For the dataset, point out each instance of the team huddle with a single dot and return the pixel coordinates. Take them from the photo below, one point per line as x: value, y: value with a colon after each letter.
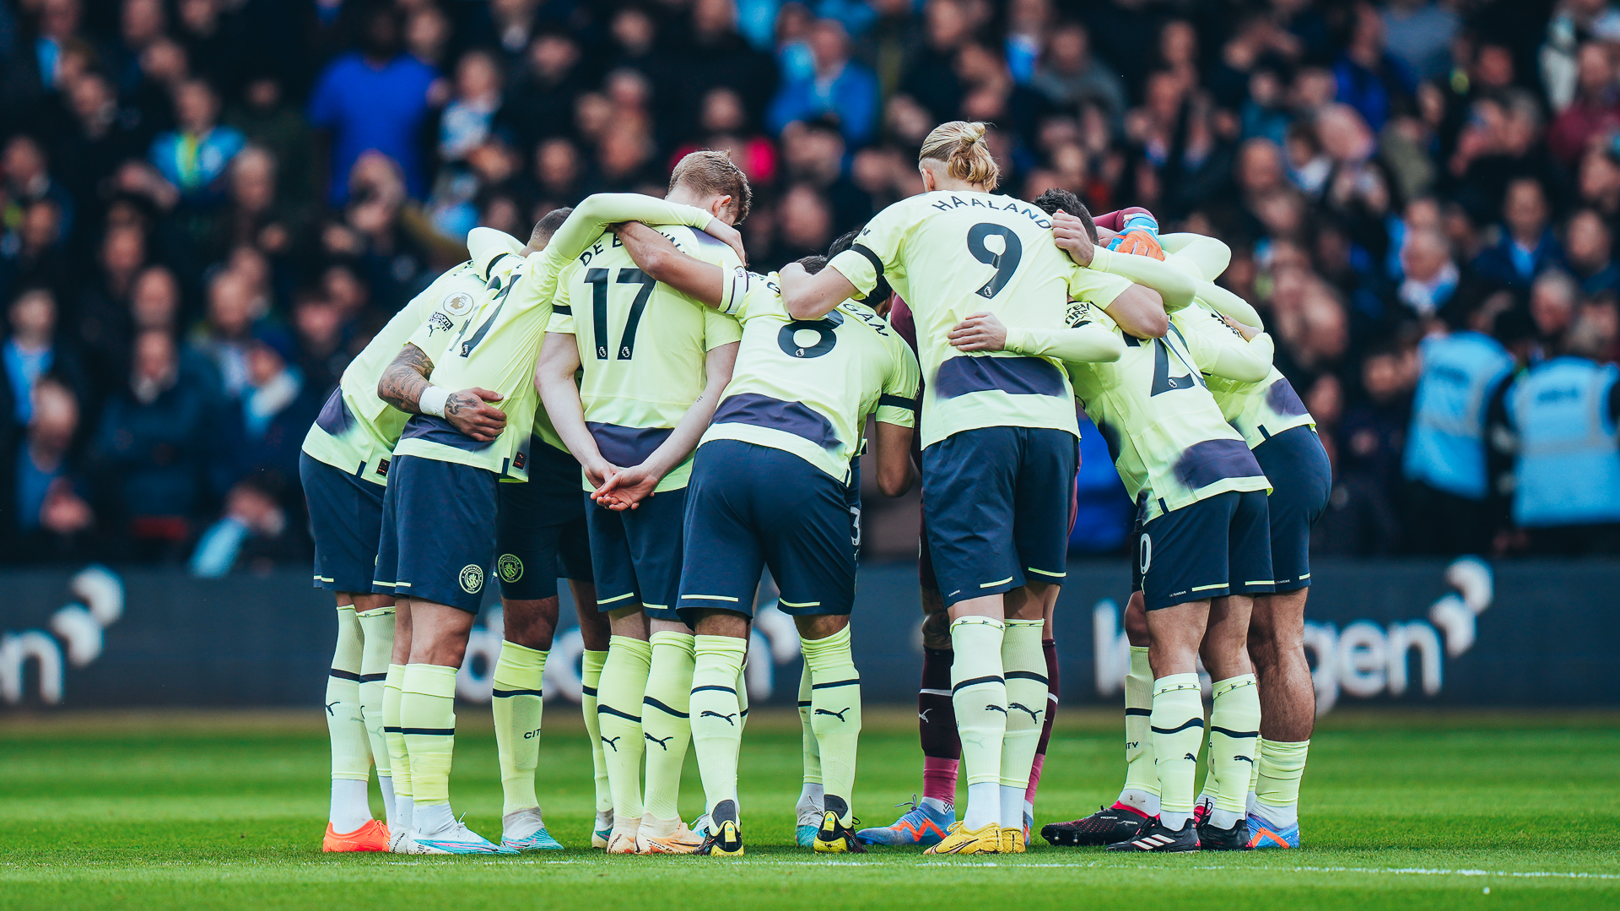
x: 619, y: 402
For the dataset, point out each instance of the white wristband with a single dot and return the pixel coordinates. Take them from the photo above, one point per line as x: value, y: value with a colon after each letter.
x: 432, y: 401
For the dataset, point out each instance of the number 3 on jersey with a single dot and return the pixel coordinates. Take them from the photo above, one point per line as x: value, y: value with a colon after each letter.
x: 598, y: 280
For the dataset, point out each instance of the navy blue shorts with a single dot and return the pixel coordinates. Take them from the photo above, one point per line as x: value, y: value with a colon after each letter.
x: 996, y: 501
x: 750, y: 507
x: 438, y: 532
x: 345, y: 519
x: 1301, y: 482
x: 636, y: 554
x: 1209, y: 549
x: 540, y: 531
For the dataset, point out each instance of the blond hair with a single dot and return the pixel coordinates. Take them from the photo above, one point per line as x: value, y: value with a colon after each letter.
x: 960, y: 145
x: 713, y: 173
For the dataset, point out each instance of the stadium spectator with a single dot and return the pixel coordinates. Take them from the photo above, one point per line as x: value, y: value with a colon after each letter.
x: 152, y: 454
x: 266, y: 426
x: 1527, y: 247
x: 1379, y: 169
x: 254, y: 535
x: 31, y: 351
x: 42, y: 489
x: 836, y: 87
x: 374, y: 99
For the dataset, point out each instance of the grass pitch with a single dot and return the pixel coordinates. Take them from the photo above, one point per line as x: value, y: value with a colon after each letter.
x: 1432, y: 811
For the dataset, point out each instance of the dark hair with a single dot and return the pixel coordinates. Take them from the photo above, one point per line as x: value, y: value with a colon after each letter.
x: 813, y: 263
x: 1057, y: 199
x: 548, y: 225
x: 880, y: 291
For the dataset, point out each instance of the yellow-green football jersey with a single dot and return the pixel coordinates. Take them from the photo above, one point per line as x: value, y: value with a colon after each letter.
x: 497, y: 344
x: 356, y: 431
x: 807, y: 386
x: 1257, y: 409
x: 493, y: 347
x: 951, y: 254
x: 642, y: 345
x: 1169, y: 441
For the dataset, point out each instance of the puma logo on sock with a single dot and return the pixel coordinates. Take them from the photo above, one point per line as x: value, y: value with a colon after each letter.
x: 612, y: 742
x: 663, y: 743
x: 726, y: 718
x: 1034, y: 714
x: 995, y: 708
x: 329, y: 709
x: 924, y: 715
x: 839, y: 714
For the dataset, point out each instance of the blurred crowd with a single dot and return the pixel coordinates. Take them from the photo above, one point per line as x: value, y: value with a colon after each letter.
x: 208, y: 206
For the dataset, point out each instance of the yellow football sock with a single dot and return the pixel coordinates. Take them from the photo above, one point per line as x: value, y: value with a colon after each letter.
x: 399, y: 760
x: 517, y: 704
x: 1141, y: 775
x: 590, y: 677
x: 665, y: 721
x: 979, y: 696
x: 618, y: 712
x: 835, y: 716
x: 377, y: 631
x: 427, y: 715
x: 717, y: 714
x: 1282, y: 765
x: 1234, y: 727
x: 351, y: 753
x: 1178, y: 731
x: 812, y: 749
x: 1024, y: 665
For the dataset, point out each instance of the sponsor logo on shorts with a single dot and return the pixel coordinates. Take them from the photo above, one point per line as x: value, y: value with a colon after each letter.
x: 457, y: 304
x: 382, y: 467
x: 519, y: 459
x: 510, y: 567
x: 472, y: 578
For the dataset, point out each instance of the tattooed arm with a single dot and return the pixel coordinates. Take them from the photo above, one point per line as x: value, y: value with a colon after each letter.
x: 404, y: 385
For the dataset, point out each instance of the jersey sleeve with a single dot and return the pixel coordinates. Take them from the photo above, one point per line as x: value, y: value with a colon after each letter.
x: 719, y: 329
x: 762, y: 297
x: 1174, y: 285
x: 876, y: 252
x: 1230, y: 304
x: 1087, y: 342
x: 592, y: 216
x: 1207, y: 255
x: 897, y: 403
x: 1098, y: 288
x: 432, y: 335
x: 562, y: 312
x: 1220, y: 351
x: 734, y: 290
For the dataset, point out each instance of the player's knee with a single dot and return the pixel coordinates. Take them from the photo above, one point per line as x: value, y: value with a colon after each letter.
x: 721, y: 623
x: 820, y: 626
x: 530, y: 623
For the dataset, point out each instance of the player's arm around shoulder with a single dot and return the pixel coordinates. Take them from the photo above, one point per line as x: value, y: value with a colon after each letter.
x: 1223, y: 347
x: 661, y: 260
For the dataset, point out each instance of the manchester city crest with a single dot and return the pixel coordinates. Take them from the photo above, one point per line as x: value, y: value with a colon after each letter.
x: 510, y: 567
x: 472, y: 578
